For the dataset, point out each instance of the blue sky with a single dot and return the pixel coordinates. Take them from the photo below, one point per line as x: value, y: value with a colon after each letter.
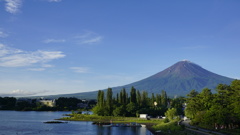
x: 70, y: 46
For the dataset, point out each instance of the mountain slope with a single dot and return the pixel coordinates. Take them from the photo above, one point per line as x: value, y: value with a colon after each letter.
x: 179, y: 79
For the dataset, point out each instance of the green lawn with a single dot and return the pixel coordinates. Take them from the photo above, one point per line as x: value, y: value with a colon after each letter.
x: 95, y: 118
x: 152, y: 124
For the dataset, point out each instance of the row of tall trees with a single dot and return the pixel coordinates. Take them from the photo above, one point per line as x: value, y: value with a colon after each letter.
x: 220, y: 110
x: 135, y: 103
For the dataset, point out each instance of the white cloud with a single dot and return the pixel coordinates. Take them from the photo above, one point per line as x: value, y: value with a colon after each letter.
x: 11, y: 57
x: 54, y: 41
x: 47, y: 65
x: 42, y: 68
x: 4, y: 50
x: 3, y: 35
x: 89, y: 38
x: 12, y: 6
x: 80, y: 69
x: 54, y: 0
x: 92, y: 40
x: 21, y: 92
x: 16, y: 93
x: 36, y: 69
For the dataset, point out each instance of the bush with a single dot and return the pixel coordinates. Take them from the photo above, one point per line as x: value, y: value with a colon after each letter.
x: 165, y: 127
x: 166, y: 120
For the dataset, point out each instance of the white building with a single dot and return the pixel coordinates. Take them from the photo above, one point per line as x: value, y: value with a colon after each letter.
x: 144, y: 116
x: 49, y: 103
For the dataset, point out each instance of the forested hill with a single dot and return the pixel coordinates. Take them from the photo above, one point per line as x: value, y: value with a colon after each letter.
x: 179, y: 79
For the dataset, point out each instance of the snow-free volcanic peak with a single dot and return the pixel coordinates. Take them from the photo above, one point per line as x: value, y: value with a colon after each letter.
x: 178, y: 79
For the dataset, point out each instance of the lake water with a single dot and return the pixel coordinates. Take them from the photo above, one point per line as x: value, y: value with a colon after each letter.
x: 31, y: 123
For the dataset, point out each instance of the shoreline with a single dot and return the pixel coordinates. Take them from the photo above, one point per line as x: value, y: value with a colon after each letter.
x: 148, y: 123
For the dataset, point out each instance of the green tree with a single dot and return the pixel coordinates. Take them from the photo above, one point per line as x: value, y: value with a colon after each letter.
x: 131, y: 109
x: 153, y: 99
x: 193, y: 93
x: 109, y: 102
x: 64, y: 103
x: 99, y: 97
x: 8, y: 103
x: 164, y: 98
x: 215, y: 110
x: 178, y: 104
x: 101, y: 100
x: 145, y: 101
x: 133, y: 95
x: 101, y: 111
x: 100, y: 108
x: 117, y: 98
x: 192, y: 104
x: 119, y: 111
x: 158, y: 99
x: 235, y: 98
x: 205, y: 99
x: 171, y: 113
x: 123, y: 97
x: 139, y: 99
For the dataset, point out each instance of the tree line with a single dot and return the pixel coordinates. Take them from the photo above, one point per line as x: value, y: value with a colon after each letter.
x: 135, y: 103
x: 7, y: 103
x: 219, y: 111
x: 62, y: 104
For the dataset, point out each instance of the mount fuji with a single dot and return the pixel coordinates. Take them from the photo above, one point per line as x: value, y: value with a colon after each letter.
x: 178, y: 79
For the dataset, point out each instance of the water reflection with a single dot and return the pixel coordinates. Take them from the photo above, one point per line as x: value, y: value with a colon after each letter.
x: 29, y: 123
x: 121, y: 131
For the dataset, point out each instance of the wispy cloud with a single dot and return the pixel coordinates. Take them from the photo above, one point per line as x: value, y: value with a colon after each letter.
x: 17, y: 93
x: 12, y: 6
x: 92, y: 40
x: 3, y: 34
x: 47, y: 65
x: 54, y: 41
x: 5, y: 50
x: 89, y: 38
x: 36, y: 69
x: 54, y: 0
x: 80, y: 69
x: 11, y: 57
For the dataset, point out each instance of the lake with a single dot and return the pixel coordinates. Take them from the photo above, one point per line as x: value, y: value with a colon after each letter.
x: 31, y: 123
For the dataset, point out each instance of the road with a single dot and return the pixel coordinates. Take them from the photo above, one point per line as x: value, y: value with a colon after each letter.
x: 199, y: 130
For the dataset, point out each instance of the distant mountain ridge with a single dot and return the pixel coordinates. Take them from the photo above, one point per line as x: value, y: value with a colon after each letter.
x: 179, y: 79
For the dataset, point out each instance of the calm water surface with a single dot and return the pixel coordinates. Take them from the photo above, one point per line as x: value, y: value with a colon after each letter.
x: 31, y: 123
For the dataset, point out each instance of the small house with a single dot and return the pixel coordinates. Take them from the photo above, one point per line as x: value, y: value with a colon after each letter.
x: 144, y: 116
